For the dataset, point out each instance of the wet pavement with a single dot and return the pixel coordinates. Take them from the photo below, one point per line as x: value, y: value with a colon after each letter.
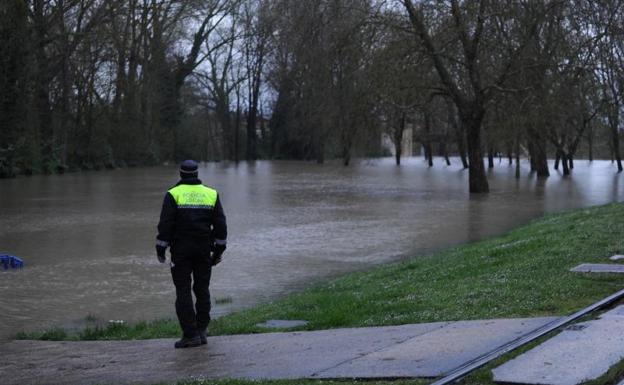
x: 417, y: 350
x: 599, y: 268
x: 582, y: 352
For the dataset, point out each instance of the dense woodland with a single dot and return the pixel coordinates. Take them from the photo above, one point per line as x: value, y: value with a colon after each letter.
x: 88, y: 84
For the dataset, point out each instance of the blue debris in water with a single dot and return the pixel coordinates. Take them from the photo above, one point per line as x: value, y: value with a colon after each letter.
x: 11, y: 262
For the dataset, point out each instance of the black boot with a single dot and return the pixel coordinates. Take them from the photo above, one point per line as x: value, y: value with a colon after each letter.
x: 187, y: 342
x: 202, y: 337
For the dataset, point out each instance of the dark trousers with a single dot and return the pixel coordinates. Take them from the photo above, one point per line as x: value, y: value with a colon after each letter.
x: 192, y: 261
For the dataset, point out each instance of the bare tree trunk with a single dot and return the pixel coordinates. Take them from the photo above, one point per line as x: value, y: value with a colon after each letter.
x: 64, y: 114
x: 427, y: 139
x: 346, y: 138
x: 346, y: 155
x: 207, y: 139
x: 397, y: 153
x: 615, y: 140
x: 471, y: 119
x: 461, y: 147
x: 65, y: 90
x: 319, y: 147
x: 236, y: 132
x: 43, y: 117
x: 225, y: 121
x: 459, y: 132
x: 564, y: 163
x: 590, y: 143
x: 611, y: 152
x: 531, y: 148
x: 398, y: 139
x: 252, y: 153
x: 446, y: 154
x: 462, y: 150
x: 263, y: 131
x: 444, y: 144
x: 212, y: 138
x: 541, y: 160
x: 252, y: 139
x: 517, y: 156
x: 537, y: 150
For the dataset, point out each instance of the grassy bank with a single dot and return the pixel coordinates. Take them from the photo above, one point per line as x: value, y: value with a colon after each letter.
x: 521, y: 274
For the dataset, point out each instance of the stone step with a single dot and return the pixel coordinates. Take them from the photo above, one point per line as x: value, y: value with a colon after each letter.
x: 598, y: 268
x: 582, y: 352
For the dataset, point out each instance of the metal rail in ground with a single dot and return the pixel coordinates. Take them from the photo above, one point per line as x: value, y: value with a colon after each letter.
x: 483, y: 360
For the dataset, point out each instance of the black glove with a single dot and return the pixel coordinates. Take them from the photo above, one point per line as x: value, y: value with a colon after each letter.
x: 160, y: 253
x: 217, y: 251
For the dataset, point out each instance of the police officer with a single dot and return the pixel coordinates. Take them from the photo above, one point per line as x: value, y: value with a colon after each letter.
x: 193, y: 225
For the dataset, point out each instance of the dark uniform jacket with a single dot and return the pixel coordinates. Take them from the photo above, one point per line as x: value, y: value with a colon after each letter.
x: 181, y: 224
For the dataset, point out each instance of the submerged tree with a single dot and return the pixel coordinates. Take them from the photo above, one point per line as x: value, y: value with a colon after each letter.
x: 488, y: 38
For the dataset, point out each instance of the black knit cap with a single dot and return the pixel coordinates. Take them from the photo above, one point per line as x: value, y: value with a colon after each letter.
x: 188, y: 168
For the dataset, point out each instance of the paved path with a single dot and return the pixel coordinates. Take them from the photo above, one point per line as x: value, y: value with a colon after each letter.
x: 584, y: 351
x: 418, y: 350
x: 599, y: 268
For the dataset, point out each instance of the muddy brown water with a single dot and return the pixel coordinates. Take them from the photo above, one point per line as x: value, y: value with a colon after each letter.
x: 87, y: 238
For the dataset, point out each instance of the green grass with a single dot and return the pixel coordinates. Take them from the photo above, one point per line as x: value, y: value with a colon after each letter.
x: 521, y: 274
x: 55, y: 334
x: 223, y: 300
x: 138, y: 331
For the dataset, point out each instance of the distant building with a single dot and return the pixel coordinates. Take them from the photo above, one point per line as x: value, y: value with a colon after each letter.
x: 407, y: 143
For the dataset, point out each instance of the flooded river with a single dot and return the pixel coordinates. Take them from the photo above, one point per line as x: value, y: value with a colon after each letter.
x: 87, y: 238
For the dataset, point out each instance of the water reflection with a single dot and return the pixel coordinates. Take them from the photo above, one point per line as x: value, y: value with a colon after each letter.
x: 88, y: 238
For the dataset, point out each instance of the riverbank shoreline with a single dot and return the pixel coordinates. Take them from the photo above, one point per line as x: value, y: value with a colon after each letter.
x: 524, y: 273
x: 293, y: 225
